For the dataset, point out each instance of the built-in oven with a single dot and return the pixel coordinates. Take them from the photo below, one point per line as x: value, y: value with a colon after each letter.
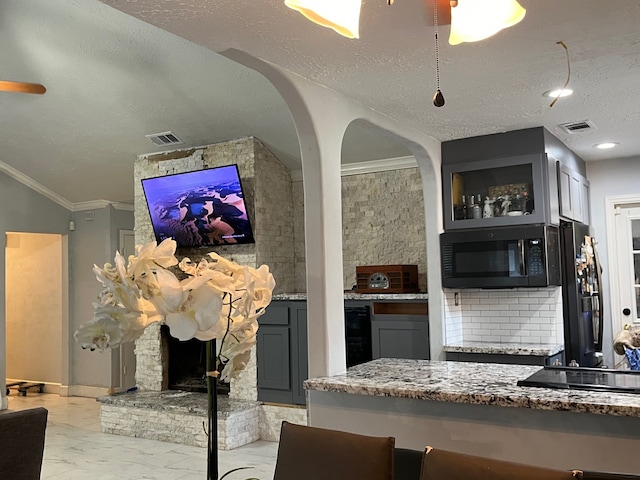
x: 504, y: 257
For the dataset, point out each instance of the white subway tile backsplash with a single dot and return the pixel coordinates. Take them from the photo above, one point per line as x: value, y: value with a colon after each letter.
x: 521, y: 315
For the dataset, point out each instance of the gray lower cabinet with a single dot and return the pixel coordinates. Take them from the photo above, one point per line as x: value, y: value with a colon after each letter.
x: 399, y: 336
x: 282, y: 353
x: 399, y: 329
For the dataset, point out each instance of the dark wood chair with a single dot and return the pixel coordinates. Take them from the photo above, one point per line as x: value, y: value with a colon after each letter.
x: 22, y: 435
x: 313, y: 453
x: 444, y: 465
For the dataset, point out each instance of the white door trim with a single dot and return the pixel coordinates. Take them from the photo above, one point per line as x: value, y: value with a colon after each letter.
x: 611, y: 203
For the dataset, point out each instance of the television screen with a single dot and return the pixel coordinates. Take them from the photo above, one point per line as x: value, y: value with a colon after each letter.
x: 199, y: 209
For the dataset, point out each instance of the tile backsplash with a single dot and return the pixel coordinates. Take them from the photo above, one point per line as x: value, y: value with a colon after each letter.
x: 523, y: 315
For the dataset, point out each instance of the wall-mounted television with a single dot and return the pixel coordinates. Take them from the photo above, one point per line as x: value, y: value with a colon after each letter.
x: 199, y: 209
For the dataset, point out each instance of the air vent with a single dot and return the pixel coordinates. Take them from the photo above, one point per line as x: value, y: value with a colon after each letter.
x: 576, y: 127
x: 164, y: 138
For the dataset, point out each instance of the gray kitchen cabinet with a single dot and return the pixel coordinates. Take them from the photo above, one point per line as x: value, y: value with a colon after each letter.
x: 505, y: 164
x: 400, y: 330
x: 282, y: 353
x: 516, y: 188
x: 400, y: 338
x: 573, y: 192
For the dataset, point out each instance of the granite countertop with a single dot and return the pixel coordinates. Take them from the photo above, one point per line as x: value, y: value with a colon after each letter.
x: 350, y: 295
x: 504, y: 348
x: 470, y: 382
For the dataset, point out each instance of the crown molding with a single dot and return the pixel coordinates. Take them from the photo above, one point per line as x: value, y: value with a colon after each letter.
x: 33, y: 185
x: 54, y: 197
x: 370, y: 166
x: 97, y: 204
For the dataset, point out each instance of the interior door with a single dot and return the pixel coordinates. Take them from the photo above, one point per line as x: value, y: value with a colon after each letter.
x: 127, y: 350
x: 627, y: 261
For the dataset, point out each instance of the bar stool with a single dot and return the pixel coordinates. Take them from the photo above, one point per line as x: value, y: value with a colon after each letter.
x: 445, y: 465
x: 316, y: 453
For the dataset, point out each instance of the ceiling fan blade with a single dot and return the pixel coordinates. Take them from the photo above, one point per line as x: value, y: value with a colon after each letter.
x: 444, y: 11
x: 22, y: 87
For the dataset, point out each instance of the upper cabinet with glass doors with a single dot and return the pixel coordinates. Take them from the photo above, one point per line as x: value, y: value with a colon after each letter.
x: 504, y: 191
x: 503, y: 179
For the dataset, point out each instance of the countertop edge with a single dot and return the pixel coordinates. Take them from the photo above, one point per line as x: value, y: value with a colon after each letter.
x: 504, y: 349
x: 471, y: 383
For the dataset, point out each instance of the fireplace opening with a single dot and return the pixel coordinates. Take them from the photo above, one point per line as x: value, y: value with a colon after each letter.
x: 186, y: 362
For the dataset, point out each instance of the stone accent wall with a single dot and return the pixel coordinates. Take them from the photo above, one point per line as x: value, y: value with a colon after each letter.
x: 272, y: 416
x: 267, y: 187
x: 300, y: 254
x: 522, y: 315
x: 274, y: 219
x: 382, y: 222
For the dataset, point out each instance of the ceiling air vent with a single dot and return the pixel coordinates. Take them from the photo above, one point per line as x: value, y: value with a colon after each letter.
x: 576, y: 127
x: 164, y: 138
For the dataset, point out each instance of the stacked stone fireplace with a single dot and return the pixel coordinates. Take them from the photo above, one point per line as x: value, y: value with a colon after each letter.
x: 268, y: 197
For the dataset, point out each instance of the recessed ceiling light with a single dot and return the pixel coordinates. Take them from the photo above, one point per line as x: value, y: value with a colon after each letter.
x: 558, y: 92
x: 606, y: 145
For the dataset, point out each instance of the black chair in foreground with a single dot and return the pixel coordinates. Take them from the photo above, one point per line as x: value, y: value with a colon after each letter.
x: 313, y: 453
x: 444, y: 465
x: 22, y: 435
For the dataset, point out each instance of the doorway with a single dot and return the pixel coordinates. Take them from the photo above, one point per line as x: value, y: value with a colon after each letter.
x: 127, y: 350
x: 624, y: 247
x: 36, y: 309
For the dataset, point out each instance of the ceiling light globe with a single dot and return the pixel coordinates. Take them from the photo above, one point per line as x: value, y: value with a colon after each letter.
x: 474, y: 20
x: 343, y: 16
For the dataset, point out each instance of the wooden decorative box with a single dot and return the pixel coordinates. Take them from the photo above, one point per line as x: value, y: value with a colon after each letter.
x: 387, y: 279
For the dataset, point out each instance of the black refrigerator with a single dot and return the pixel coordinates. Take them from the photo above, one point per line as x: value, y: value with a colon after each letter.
x: 581, y: 299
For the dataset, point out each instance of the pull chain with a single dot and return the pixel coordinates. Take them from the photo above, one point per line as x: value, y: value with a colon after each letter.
x: 438, y: 98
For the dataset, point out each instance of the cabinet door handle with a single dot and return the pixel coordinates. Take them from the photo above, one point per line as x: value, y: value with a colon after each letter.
x: 523, y: 265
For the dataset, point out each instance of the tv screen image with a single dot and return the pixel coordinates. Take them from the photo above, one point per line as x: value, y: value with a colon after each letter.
x: 199, y: 209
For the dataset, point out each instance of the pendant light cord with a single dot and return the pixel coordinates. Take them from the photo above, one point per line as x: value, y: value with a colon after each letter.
x: 438, y: 98
x: 568, y: 71
x: 435, y: 22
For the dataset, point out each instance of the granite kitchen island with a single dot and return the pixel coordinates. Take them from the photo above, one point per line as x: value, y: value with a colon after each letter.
x: 477, y: 408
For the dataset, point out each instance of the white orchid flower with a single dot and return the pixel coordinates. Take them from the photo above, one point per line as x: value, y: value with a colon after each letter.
x: 219, y: 299
x: 150, y: 256
x: 162, y: 288
x: 199, y: 313
x: 100, y: 333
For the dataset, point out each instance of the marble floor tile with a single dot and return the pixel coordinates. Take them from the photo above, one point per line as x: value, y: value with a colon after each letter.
x: 75, y: 449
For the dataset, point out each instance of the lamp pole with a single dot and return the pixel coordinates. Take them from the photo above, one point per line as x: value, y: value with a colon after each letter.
x: 212, y: 411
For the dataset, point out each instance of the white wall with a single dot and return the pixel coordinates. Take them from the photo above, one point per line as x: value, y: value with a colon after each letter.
x: 608, y: 178
x: 34, y: 307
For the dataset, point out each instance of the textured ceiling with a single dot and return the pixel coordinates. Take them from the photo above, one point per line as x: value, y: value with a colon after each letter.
x: 114, y: 74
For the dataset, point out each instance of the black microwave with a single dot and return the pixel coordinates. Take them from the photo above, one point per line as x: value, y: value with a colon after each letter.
x: 503, y: 257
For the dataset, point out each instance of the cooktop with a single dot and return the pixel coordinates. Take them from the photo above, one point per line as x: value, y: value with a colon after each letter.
x: 597, y: 379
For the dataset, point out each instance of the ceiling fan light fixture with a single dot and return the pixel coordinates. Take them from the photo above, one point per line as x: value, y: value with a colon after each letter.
x: 343, y: 16
x: 473, y: 20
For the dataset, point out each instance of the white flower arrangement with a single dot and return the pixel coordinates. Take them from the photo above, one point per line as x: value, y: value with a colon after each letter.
x: 218, y: 299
